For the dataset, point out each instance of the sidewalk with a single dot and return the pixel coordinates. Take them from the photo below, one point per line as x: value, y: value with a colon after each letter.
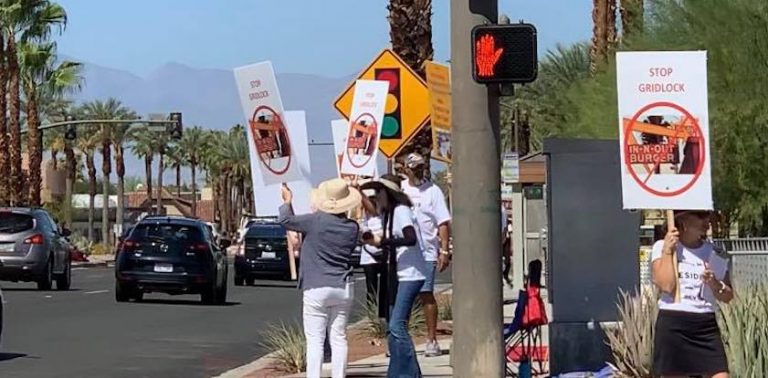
x: 376, y: 366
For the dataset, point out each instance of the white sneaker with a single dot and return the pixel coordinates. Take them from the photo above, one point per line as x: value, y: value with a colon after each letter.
x: 433, y: 349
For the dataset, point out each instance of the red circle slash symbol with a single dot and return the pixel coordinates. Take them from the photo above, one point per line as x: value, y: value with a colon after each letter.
x: 271, y: 139
x: 361, y: 139
x: 665, y: 128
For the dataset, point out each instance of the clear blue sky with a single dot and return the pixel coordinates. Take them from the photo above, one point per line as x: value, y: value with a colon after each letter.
x: 336, y: 38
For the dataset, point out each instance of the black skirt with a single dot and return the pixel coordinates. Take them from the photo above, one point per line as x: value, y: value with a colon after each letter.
x: 688, y: 344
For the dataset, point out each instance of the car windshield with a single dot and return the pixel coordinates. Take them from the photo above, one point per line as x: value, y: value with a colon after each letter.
x: 11, y: 223
x: 266, y: 231
x: 167, y: 233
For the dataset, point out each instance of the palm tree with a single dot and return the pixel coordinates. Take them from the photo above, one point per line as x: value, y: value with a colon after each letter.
x: 120, y: 135
x: 410, y: 31
x: 111, y: 109
x: 194, y: 143
x: 603, y: 31
x: 632, y: 12
x: 88, y: 141
x: 25, y: 21
x: 175, y: 161
x: 42, y: 77
x: 144, y: 147
x: 53, y: 141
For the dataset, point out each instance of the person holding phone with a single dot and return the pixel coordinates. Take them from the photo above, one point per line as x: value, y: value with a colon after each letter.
x: 400, y: 245
x: 325, y: 273
x: 692, y: 279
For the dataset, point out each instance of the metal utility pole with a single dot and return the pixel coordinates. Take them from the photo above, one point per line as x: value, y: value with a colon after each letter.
x: 478, y: 345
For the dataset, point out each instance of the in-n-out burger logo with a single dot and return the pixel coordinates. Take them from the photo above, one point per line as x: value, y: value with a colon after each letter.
x: 271, y: 139
x: 361, y: 141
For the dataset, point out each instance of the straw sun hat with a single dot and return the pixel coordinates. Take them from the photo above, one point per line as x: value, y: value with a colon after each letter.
x: 334, y: 197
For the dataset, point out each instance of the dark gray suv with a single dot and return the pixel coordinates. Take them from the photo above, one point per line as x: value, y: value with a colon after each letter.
x: 33, y: 249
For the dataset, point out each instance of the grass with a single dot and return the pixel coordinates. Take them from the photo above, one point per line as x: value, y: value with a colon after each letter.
x: 287, y: 345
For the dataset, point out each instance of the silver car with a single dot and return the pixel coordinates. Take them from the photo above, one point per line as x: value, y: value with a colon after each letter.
x: 33, y: 249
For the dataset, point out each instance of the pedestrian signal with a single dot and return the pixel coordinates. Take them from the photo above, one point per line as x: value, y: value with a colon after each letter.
x: 504, y: 53
x: 391, y: 127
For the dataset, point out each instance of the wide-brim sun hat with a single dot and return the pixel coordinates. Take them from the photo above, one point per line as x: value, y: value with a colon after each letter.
x: 382, y: 182
x: 335, y: 197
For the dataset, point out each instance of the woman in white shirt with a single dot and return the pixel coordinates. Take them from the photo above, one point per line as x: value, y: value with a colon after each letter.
x: 692, y: 279
x: 400, y: 236
x: 376, y: 280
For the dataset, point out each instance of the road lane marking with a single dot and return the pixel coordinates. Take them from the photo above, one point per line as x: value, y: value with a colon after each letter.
x: 96, y: 292
x: 81, y: 268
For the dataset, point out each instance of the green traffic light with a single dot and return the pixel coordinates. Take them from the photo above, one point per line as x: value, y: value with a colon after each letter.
x: 390, y: 128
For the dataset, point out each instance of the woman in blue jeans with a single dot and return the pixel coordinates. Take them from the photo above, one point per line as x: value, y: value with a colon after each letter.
x: 401, y: 237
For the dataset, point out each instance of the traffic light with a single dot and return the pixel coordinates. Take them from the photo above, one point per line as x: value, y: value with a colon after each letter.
x: 177, y: 126
x: 392, y: 127
x: 71, y: 133
x: 504, y: 54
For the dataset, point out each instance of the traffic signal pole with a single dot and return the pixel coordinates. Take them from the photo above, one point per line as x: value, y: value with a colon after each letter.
x: 477, y: 304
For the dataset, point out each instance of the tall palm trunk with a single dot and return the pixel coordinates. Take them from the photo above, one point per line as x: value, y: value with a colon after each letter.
x: 216, y: 204
x: 227, y: 198
x: 91, y: 167
x: 178, y: 180
x: 106, y: 170
x: 120, y: 171
x: 16, y: 175
x: 71, y: 164
x: 55, y: 159
x: 34, y: 147
x: 160, y: 169
x: 148, y: 175
x: 410, y: 31
x: 603, y: 32
x: 5, y: 167
x: 194, y: 188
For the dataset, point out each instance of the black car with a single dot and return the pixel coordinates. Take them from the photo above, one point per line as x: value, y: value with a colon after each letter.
x: 264, y: 253
x: 172, y: 255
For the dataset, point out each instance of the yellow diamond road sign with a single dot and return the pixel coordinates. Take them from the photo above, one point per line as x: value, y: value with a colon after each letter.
x: 407, y: 110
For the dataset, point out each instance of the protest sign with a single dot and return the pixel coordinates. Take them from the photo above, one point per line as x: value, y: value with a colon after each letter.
x: 364, y: 130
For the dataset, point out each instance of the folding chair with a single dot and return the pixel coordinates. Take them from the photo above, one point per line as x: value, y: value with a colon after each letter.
x: 523, y: 341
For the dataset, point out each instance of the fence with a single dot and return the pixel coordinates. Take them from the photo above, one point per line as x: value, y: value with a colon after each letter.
x: 748, y: 259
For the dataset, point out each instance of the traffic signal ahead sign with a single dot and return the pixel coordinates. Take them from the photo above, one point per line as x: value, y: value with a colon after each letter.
x: 407, y: 108
x: 504, y: 53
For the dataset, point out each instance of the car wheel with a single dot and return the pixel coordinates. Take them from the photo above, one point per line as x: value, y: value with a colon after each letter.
x: 221, y: 296
x: 250, y: 281
x: 46, y: 280
x: 239, y: 280
x: 208, y: 296
x: 64, y: 280
x: 121, y: 292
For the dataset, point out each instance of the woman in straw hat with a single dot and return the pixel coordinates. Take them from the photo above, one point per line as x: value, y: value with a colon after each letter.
x: 692, y: 279
x: 325, y: 273
x: 400, y: 243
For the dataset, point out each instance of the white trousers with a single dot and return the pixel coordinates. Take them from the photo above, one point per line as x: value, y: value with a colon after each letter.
x: 326, y: 309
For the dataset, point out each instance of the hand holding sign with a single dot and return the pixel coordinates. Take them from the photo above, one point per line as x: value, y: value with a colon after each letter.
x: 709, y: 276
x: 286, y: 193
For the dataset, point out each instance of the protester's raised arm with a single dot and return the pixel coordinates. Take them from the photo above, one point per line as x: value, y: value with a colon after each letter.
x: 286, y: 217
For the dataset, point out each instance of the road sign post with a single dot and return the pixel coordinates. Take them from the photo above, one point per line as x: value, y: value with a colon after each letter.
x: 478, y: 345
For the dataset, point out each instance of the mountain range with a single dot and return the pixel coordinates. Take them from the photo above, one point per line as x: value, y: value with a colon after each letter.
x: 208, y: 98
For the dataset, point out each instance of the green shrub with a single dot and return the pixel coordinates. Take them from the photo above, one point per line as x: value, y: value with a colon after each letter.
x: 373, y: 326
x: 417, y: 325
x: 287, y: 347
x: 101, y: 249
x: 744, y: 331
x: 631, y: 341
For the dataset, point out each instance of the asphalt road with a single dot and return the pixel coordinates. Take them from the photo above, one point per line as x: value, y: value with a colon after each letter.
x: 85, y: 333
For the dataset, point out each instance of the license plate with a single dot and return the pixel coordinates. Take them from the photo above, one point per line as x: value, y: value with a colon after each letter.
x: 164, y: 268
x: 268, y: 255
x: 6, y: 247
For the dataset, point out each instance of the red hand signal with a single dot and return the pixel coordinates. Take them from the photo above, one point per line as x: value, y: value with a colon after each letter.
x: 486, y: 55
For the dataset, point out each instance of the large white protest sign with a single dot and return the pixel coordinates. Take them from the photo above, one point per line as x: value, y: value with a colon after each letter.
x: 364, y: 132
x: 267, y: 130
x: 267, y: 196
x: 664, y: 130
